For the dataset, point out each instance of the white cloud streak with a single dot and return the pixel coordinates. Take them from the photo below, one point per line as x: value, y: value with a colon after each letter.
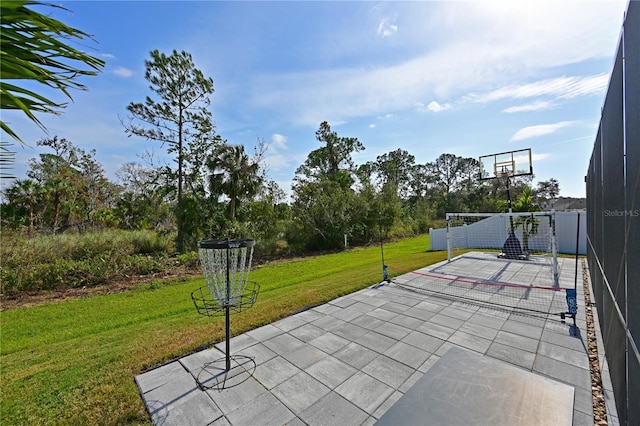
x: 562, y: 88
x: 533, y: 106
x: 540, y: 130
x: 539, y: 157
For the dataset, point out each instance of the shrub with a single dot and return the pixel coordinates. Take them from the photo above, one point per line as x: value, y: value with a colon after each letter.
x: 151, y: 242
x: 144, y: 265
x: 77, y: 260
x: 189, y: 259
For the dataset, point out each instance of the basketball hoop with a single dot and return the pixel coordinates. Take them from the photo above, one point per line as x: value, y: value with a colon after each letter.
x: 516, y: 163
x: 506, y: 165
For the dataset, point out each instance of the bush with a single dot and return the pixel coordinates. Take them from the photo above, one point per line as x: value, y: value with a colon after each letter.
x: 144, y: 265
x: 151, y: 242
x: 77, y: 260
x: 189, y: 259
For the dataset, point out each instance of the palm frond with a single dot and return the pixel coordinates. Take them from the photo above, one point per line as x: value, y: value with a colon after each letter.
x: 7, y: 160
x: 34, y: 47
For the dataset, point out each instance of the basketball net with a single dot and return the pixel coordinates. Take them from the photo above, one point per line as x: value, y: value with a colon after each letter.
x: 503, y: 176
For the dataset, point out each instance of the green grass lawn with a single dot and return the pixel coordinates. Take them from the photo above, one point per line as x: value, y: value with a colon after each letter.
x: 74, y: 362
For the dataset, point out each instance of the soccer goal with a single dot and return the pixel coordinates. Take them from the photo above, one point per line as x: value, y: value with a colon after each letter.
x: 508, y: 237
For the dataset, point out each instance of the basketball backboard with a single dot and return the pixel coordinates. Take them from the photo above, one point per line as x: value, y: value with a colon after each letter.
x: 509, y: 163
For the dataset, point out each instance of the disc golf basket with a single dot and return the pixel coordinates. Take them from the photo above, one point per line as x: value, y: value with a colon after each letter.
x: 226, y: 265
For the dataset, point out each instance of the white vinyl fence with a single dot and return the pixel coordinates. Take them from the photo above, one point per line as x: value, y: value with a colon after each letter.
x: 566, y: 229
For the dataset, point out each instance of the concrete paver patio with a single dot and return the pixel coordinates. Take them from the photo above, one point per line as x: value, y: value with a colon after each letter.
x: 348, y: 361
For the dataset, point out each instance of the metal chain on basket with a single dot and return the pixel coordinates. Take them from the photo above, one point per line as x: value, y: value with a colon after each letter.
x: 214, y: 265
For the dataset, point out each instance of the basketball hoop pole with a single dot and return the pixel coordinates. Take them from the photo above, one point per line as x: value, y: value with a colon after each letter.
x: 509, y: 193
x: 505, y: 173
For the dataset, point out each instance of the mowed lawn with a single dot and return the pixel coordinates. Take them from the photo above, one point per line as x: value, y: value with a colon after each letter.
x: 74, y: 362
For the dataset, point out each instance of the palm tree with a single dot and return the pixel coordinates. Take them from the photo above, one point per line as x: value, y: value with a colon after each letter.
x: 25, y: 193
x: 235, y: 175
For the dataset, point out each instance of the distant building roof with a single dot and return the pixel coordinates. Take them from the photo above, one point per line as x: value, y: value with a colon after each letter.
x: 565, y: 204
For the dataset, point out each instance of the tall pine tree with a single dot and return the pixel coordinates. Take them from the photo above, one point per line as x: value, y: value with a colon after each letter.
x: 179, y: 118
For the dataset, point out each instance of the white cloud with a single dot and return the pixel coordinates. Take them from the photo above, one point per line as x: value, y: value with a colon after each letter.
x: 386, y: 28
x: 524, y: 159
x: 533, y: 106
x: 540, y: 130
x: 436, y: 107
x: 433, y: 106
x: 562, y: 88
x: 108, y: 56
x: 372, y: 126
x: 122, y: 72
x: 385, y: 116
x: 277, y: 162
x: 540, y: 157
x: 278, y: 142
x: 274, y: 158
x: 483, y: 47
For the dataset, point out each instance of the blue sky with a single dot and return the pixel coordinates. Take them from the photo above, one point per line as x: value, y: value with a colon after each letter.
x: 466, y: 78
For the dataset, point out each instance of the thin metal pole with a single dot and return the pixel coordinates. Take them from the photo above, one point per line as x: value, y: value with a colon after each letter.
x: 449, y: 237
x: 226, y: 317
x: 511, y: 229
x: 575, y: 281
x: 385, y: 275
x: 509, y: 193
x: 554, y: 249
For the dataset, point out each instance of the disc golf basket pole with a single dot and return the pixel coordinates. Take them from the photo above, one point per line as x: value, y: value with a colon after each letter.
x: 226, y: 265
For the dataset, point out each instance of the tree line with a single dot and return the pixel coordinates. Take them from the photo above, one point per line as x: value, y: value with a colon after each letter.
x: 215, y: 189
x: 230, y: 195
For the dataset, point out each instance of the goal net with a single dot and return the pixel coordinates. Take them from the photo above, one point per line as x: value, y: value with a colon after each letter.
x: 505, y: 237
